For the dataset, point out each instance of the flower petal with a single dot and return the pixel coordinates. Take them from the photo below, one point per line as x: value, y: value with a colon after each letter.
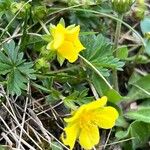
x: 97, y: 104
x: 89, y: 136
x: 68, y: 51
x: 71, y: 133
x: 58, y: 35
x: 106, y: 117
x: 78, y: 45
x: 76, y: 115
x: 72, y: 34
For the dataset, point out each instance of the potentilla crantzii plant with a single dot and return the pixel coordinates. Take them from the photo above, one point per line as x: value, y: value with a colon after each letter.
x: 122, y: 6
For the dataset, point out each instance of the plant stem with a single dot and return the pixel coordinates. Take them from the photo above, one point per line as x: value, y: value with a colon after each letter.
x: 96, y: 71
x: 116, y: 42
x: 44, y: 27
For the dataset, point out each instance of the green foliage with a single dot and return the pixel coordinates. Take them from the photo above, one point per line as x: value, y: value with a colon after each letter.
x: 122, y: 52
x: 103, y: 89
x: 140, y: 89
x: 61, y: 86
x: 138, y: 131
x: 77, y: 97
x: 145, y: 25
x: 18, y: 72
x: 142, y: 114
x: 99, y: 52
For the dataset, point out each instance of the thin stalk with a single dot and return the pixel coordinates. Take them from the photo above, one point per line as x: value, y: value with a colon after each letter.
x: 96, y: 71
x: 44, y: 27
x: 116, y: 42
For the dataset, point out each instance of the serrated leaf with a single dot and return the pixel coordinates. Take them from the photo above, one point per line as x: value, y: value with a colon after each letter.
x: 16, y: 68
x: 4, y: 68
x: 9, y: 49
x: 4, y: 58
x: 99, y: 52
x: 140, y: 89
x: 141, y: 115
x: 77, y: 97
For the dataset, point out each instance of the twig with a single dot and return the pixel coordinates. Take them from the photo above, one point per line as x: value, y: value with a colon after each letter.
x: 23, y: 118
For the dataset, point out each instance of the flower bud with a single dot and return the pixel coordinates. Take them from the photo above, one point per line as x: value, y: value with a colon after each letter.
x: 15, y: 7
x: 139, y: 9
x: 84, y: 2
x: 121, y: 6
x: 41, y: 63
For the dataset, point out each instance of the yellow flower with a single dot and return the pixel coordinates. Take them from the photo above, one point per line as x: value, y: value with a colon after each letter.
x: 66, y: 41
x: 84, y: 123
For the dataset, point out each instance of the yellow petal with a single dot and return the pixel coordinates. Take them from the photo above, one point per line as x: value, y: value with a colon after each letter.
x: 89, y: 136
x: 68, y: 51
x: 77, y: 114
x: 59, y: 35
x: 72, y: 34
x: 71, y: 134
x: 78, y: 45
x: 97, y: 104
x: 106, y: 117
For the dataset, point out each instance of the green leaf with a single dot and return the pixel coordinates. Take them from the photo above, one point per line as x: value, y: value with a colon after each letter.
x: 147, y: 47
x: 77, y: 97
x: 4, y: 58
x: 16, y: 69
x: 4, y: 68
x: 140, y: 89
x: 103, y: 89
x: 113, y: 96
x: 47, y: 37
x: 122, y: 52
x: 142, y: 114
x: 121, y: 122
x: 139, y: 131
x: 99, y: 52
x: 145, y: 25
x: 9, y: 49
x: 56, y: 146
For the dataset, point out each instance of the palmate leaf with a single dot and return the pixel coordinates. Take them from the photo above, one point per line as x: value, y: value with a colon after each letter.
x: 77, y: 97
x: 18, y: 72
x: 99, y: 52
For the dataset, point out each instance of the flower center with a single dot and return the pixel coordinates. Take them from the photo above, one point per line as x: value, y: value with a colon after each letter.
x: 86, y: 120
